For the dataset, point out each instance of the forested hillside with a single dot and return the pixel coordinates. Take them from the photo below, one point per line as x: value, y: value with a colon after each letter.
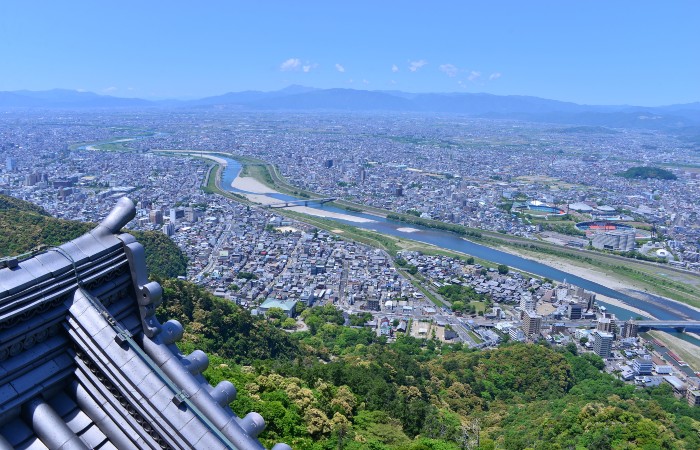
x: 24, y: 227
x: 339, y: 387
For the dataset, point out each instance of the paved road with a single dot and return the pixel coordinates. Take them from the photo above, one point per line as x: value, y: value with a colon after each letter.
x: 214, y: 255
x: 663, y: 351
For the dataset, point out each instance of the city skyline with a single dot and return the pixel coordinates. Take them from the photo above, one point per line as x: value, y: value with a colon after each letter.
x: 597, y: 53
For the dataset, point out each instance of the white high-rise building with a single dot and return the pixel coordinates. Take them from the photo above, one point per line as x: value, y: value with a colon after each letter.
x: 602, y: 344
x: 527, y: 303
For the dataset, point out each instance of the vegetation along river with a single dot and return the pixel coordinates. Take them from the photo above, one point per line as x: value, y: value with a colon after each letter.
x: 661, y: 308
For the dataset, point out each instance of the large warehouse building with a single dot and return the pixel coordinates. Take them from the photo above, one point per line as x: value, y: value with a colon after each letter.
x: 622, y: 240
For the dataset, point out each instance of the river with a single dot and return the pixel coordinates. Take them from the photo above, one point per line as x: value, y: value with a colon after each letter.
x: 661, y: 308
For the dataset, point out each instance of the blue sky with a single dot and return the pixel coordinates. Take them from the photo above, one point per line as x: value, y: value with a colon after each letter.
x: 595, y: 52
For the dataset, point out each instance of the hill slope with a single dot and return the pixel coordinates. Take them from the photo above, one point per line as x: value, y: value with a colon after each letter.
x: 25, y: 226
x: 646, y: 172
x: 339, y: 387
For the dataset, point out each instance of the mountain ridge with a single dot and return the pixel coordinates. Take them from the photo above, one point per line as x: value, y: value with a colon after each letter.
x: 303, y: 98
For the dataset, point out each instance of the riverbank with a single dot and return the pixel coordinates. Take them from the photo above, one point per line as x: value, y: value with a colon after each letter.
x: 598, y: 276
x: 204, y: 155
x: 666, y: 282
x: 250, y: 184
x: 258, y: 192
x: 687, y: 351
x: 257, y: 178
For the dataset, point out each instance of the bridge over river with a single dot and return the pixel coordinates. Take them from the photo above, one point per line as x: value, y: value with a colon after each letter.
x: 306, y: 202
x: 642, y: 325
x: 680, y: 325
x: 655, y: 307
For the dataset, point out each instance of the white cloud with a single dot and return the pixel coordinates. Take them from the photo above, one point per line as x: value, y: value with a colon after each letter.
x: 109, y: 89
x: 449, y: 69
x: 339, y: 68
x: 365, y: 82
x: 394, y: 68
x: 308, y: 66
x: 290, y: 64
x: 474, y: 75
x: 415, y: 65
x: 495, y: 76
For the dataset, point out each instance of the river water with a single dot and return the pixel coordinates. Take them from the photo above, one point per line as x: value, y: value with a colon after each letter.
x: 660, y: 308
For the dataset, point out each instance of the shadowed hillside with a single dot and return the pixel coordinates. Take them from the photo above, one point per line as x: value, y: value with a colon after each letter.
x: 25, y: 227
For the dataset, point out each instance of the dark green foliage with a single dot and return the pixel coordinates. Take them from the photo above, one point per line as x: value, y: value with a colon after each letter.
x: 454, y: 292
x: 413, y: 212
x: 247, y: 275
x: 453, y: 227
x: 563, y: 228
x: 644, y: 172
x: 358, y: 320
x: 336, y: 386
x: 222, y: 327
x: 503, y: 269
x: 636, y: 255
x: 505, y: 206
x: 23, y: 229
x: 163, y: 257
x: 7, y: 203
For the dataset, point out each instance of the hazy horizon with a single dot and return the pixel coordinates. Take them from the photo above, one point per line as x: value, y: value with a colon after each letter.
x: 185, y: 99
x: 596, y: 53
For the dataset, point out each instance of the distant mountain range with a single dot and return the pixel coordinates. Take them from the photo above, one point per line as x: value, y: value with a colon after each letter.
x: 67, y: 99
x: 300, y: 98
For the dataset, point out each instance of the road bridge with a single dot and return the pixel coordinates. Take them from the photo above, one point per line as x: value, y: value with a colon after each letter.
x: 306, y: 202
x: 680, y: 325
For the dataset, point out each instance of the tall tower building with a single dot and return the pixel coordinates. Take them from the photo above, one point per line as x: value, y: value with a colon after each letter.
x: 602, y: 346
x: 155, y: 216
x: 630, y: 329
x: 574, y: 311
x: 606, y: 324
x: 168, y: 229
x: 527, y: 303
x: 532, y: 323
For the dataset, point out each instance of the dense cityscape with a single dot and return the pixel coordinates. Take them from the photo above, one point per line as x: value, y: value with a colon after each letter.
x: 350, y: 226
x: 454, y: 170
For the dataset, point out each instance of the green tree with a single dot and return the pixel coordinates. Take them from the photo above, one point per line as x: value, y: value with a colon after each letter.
x: 289, y: 323
x: 275, y: 313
